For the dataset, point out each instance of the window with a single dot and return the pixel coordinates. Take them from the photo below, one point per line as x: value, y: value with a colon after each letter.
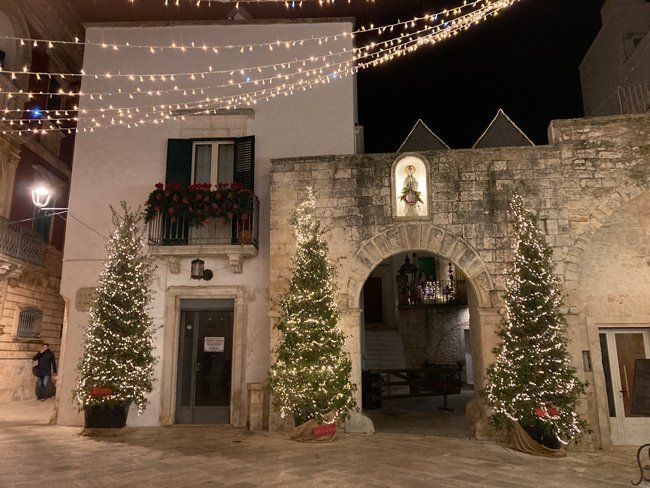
x: 211, y: 160
x: 54, y: 102
x: 29, y: 323
x: 42, y: 224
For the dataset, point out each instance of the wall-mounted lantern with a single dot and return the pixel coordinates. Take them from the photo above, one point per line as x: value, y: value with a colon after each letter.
x: 198, y: 271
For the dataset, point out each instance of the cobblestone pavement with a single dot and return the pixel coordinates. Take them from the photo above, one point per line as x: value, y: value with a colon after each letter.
x: 33, y: 453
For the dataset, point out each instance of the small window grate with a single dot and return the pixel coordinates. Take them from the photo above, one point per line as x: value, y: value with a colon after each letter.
x: 29, y: 323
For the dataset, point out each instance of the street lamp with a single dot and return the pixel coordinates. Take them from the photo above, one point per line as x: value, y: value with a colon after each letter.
x: 407, y: 280
x: 41, y: 196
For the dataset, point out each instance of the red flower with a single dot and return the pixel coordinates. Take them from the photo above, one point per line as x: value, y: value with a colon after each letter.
x: 545, y: 412
x: 100, y: 392
x: 160, y: 186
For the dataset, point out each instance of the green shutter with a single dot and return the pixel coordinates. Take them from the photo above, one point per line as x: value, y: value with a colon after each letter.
x: 245, y: 162
x: 179, y: 161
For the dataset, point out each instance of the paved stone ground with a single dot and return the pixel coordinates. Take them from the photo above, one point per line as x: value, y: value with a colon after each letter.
x: 33, y: 453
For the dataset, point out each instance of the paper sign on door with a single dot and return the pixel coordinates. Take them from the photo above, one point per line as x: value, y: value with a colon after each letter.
x: 213, y: 344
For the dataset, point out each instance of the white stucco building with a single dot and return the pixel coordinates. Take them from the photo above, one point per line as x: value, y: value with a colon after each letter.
x: 615, y: 72
x: 124, y: 162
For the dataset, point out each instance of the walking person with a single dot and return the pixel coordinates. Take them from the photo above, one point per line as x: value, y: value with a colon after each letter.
x: 43, y: 369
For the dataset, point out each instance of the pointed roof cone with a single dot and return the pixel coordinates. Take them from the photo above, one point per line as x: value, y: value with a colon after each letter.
x: 502, y: 132
x: 421, y: 138
x: 240, y: 14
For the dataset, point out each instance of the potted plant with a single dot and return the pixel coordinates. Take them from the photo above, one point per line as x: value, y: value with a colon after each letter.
x: 116, y: 367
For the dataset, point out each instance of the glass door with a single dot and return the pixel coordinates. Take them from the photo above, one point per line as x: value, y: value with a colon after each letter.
x: 621, y: 348
x: 205, y: 361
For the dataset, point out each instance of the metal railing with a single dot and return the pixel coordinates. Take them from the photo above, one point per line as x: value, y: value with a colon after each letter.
x: 169, y: 231
x: 434, y: 293
x: 635, y: 98
x: 21, y: 243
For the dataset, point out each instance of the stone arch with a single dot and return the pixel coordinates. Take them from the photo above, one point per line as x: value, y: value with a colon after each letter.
x: 482, y: 295
x: 604, y: 208
x: 394, y: 239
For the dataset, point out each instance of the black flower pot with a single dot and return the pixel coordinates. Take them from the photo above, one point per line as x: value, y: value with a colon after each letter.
x: 106, y: 416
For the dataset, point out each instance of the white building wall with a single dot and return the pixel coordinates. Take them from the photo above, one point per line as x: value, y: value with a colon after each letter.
x: 118, y: 163
x: 618, y: 57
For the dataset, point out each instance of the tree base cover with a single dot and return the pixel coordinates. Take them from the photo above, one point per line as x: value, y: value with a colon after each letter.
x: 312, y: 431
x: 527, y: 439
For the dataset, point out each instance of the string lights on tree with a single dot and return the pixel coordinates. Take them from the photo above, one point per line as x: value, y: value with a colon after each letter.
x: 311, y: 375
x: 118, y: 346
x: 532, y: 381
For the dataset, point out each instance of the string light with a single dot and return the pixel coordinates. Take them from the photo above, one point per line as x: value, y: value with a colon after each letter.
x: 532, y: 369
x: 311, y: 375
x: 367, y: 56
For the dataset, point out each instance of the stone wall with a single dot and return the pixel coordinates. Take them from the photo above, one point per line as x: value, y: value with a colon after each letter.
x: 592, y: 168
x: 27, y: 286
x: 433, y: 334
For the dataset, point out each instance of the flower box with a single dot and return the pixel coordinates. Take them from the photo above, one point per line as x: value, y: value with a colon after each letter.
x: 199, y: 204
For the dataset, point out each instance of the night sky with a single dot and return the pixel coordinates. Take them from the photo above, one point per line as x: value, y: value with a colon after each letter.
x: 525, y: 61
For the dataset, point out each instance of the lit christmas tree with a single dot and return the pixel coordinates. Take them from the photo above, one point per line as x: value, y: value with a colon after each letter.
x: 312, y: 373
x: 532, y: 381
x: 117, y: 362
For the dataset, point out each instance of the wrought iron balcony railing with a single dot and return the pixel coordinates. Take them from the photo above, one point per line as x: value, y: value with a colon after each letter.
x: 21, y: 243
x: 168, y: 231
x: 434, y: 293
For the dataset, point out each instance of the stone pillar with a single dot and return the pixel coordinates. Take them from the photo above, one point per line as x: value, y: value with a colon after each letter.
x: 255, y: 420
x: 9, y: 157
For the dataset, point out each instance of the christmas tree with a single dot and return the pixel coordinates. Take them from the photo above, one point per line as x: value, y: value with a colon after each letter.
x: 532, y: 381
x: 117, y: 362
x: 312, y: 373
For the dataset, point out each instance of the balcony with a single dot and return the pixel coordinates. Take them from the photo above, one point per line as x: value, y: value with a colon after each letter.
x: 237, y: 238
x: 21, y: 243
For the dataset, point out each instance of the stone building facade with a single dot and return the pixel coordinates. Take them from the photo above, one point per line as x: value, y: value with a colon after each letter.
x: 590, y: 188
x: 31, y: 243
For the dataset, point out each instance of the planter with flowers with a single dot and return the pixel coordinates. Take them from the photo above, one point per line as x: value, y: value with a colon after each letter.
x: 200, y: 203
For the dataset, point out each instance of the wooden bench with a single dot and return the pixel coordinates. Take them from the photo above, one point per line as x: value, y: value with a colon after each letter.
x: 429, y: 380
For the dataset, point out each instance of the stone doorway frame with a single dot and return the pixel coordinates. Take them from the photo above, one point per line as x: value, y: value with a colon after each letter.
x: 483, y: 299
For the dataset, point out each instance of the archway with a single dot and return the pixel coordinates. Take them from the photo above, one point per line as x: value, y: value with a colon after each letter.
x: 429, y: 239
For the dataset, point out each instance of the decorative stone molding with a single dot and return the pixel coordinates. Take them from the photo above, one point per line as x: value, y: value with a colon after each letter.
x: 400, y: 238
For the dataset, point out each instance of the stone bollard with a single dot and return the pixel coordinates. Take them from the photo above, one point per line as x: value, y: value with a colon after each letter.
x: 255, y: 419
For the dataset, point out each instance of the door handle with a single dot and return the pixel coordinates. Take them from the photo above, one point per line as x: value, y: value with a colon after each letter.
x: 198, y: 367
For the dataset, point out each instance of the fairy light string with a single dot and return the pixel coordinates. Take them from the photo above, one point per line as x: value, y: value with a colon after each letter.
x: 311, y: 376
x: 532, y: 381
x: 363, y: 58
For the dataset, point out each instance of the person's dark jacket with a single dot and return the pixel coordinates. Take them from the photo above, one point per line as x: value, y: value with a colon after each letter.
x: 46, y: 363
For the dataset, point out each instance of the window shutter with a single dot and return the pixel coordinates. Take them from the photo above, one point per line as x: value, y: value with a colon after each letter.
x: 245, y: 162
x: 179, y: 161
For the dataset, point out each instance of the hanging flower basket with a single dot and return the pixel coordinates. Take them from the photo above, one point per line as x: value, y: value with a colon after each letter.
x: 199, y: 204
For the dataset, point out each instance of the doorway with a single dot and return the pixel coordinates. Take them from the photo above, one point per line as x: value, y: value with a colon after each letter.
x: 621, y: 348
x: 205, y: 361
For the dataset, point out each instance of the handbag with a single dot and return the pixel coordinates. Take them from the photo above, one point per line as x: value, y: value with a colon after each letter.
x: 35, y: 368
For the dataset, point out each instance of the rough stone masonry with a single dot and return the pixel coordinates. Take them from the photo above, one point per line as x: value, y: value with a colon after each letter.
x: 589, y: 186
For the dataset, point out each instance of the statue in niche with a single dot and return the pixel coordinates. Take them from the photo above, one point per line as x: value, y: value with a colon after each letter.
x: 411, y: 196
